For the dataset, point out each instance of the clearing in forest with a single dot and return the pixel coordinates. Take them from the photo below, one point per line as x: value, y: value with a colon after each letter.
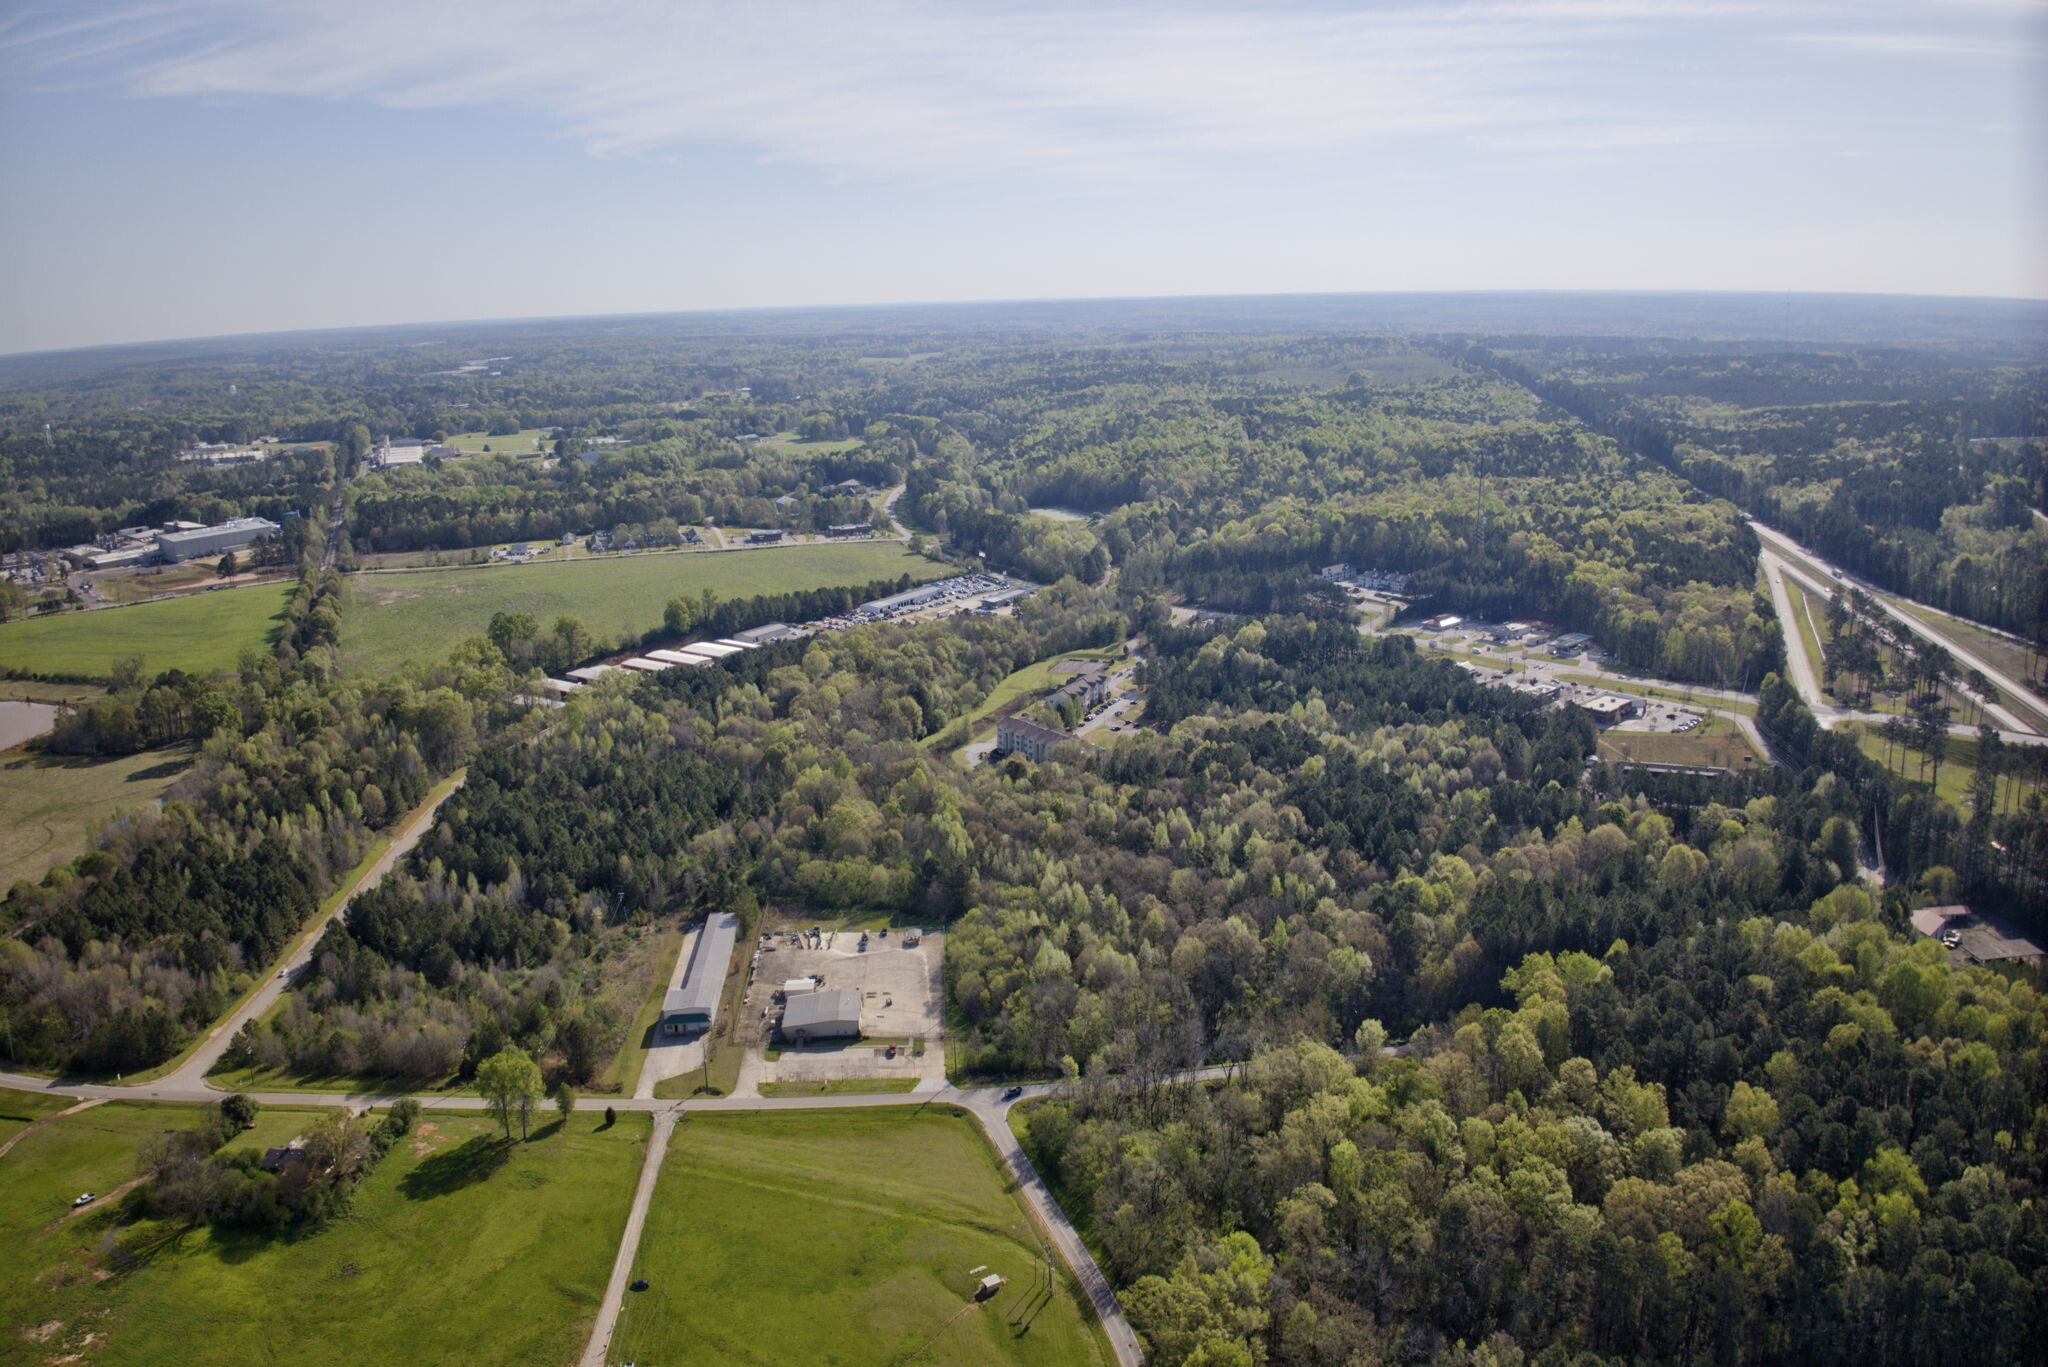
x: 201, y: 633
x: 409, y: 615
x: 47, y: 802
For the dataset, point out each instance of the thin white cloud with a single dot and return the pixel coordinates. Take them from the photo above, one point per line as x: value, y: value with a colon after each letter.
x: 927, y: 88
x: 897, y: 86
x: 1925, y: 45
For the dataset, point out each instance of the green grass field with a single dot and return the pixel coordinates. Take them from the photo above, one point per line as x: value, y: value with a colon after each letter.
x: 522, y: 443
x: 1715, y: 743
x: 845, y: 1086
x: 459, y: 1248
x: 203, y: 633
x: 843, y: 1239
x: 47, y: 802
x: 422, y: 614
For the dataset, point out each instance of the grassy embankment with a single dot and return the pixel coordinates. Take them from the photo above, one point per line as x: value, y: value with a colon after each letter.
x: 459, y: 1247
x: 2001, y: 651
x: 847, y: 1237
x: 202, y: 633
x: 845, y: 1086
x: 1716, y: 742
x: 49, y: 803
x: 422, y: 614
x: 655, y: 962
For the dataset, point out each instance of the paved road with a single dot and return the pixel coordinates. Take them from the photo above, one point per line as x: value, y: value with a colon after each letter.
x: 1801, y: 666
x: 2004, y: 681
x: 1776, y: 570
x: 192, y: 1072
x: 901, y: 532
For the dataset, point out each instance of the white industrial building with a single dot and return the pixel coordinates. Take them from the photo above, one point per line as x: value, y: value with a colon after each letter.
x: 822, y: 1015
x: 236, y: 534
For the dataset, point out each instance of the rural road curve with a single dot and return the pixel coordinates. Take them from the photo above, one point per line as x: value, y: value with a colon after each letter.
x: 192, y: 1072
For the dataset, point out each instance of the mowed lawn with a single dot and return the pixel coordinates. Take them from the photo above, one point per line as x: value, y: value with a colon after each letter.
x: 460, y: 1248
x: 47, y: 801
x: 843, y: 1238
x: 409, y: 615
x: 202, y: 633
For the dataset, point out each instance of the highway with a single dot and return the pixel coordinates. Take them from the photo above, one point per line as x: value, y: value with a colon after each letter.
x: 1787, y: 555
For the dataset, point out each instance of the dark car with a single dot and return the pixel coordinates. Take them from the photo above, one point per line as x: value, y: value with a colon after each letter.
x: 1012, y: 1093
x: 640, y: 1285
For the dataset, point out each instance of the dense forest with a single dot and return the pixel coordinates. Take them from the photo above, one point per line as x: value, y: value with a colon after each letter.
x: 1541, y: 1059
x: 1922, y: 473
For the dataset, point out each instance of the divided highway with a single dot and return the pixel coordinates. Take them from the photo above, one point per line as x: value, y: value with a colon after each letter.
x: 1782, y: 556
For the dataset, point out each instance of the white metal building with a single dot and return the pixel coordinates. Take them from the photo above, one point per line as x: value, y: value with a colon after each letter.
x: 822, y: 1015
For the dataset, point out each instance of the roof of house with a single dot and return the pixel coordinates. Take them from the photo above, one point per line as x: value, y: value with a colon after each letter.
x: 816, y: 1008
x: 1931, y: 920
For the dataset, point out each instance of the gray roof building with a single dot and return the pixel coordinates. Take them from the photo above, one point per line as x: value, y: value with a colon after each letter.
x: 822, y: 1015
x: 693, y: 1004
x: 1019, y: 736
x: 236, y: 534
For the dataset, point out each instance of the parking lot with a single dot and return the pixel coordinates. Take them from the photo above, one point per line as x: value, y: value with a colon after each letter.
x: 902, y: 1003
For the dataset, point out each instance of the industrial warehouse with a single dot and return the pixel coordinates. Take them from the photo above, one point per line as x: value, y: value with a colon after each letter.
x: 693, y: 1003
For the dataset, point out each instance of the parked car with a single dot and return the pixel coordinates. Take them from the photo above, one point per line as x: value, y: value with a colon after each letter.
x: 1012, y: 1093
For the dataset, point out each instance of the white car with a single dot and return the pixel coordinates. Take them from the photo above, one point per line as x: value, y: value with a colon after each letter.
x: 84, y: 1199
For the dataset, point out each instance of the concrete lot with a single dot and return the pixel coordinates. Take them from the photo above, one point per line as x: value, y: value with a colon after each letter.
x: 902, y: 999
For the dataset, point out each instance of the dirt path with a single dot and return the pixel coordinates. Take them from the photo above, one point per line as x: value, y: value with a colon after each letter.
x: 607, y: 1322
x: 192, y: 1072
x: 37, y: 1125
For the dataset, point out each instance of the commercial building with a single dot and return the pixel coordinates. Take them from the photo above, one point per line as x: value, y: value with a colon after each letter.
x: 763, y: 538
x: 642, y: 665
x: 1609, y: 708
x: 592, y: 673
x: 1017, y: 736
x: 768, y: 633
x: 822, y: 1015
x: 693, y: 1003
x: 712, y: 650
x: 909, y: 598
x: 1571, y: 643
x: 1004, y: 598
x: 236, y: 534
x: 736, y: 643
x: 677, y: 657
x: 850, y: 529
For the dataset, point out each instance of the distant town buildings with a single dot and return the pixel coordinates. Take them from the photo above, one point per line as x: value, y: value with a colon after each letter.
x: 1379, y: 581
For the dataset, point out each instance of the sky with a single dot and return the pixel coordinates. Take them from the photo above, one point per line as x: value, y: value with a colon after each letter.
x: 182, y: 168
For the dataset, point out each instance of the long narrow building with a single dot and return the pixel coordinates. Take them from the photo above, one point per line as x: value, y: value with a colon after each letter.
x: 693, y: 1003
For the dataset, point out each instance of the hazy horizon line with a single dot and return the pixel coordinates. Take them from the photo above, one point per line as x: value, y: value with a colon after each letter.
x: 1002, y: 301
